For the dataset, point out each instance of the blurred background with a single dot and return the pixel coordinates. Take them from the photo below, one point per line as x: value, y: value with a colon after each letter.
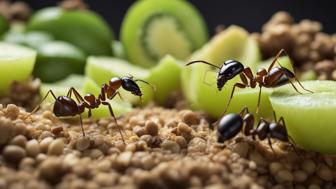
x: 248, y: 14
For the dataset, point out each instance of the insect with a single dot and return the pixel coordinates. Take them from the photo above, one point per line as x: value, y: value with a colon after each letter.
x: 272, y: 77
x: 67, y: 106
x: 231, y: 124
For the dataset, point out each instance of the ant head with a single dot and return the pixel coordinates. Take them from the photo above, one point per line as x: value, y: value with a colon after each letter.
x: 130, y: 85
x: 229, y: 70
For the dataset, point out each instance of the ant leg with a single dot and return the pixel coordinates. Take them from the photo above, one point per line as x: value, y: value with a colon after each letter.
x: 282, y: 51
x: 43, y: 99
x: 240, y: 85
x: 118, y: 93
x: 302, y: 85
x: 115, y: 120
x: 76, y: 93
x: 81, y: 124
x: 291, y: 140
x: 294, y: 87
x: 270, y: 144
x: 259, y: 97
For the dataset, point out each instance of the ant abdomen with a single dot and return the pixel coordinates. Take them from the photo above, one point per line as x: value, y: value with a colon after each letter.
x: 229, y: 126
x: 65, y: 106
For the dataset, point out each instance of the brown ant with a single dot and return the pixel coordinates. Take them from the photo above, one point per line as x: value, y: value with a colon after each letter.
x: 272, y: 77
x: 231, y: 124
x: 66, y: 106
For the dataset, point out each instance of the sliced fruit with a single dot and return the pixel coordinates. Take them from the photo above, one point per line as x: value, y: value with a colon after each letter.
x: 233, y: 43
x: 310, y: 117
x: 16, y: 62
x: 152, y: 29
x: 166, y: 77
x: 58, y: 59
x: 118, y: 49
x: 83, y: 28
x: 102, y: 69
x: 3, y: 25
x: 84, y: 85
x: 30, y: 39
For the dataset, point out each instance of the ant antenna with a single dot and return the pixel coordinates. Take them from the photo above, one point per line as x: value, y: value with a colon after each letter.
x: 204, y: 62
x: 151, y: 85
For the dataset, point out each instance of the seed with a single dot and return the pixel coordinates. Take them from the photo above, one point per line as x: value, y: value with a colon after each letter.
x: 6, y: 130
x: 139, y: 131
x: 44, y: 144
x: 181, y: 141
x: 32, y: 148
x: 275, y: 167
x: 95, y: 154
x: 241, y: 148
x: 12, y: 111
x: 82, y: 143
x: 190, y: 118
x: 325, y: 173
x: 171, y: 146
x: 258, y: 159
x: 52, y: 170
x: 56, y: 147
x: 184, y: 128
x: 197, y: 145
x: 300, y: 176
x: 124, y: 159
x: 309, y: 166
x: 19, y: 140
x: 56, y: 130
x: 151, y: 128
x: 284, y: 176
x: 14, y: 153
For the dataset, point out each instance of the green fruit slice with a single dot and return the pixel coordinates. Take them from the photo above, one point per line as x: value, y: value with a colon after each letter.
x: 84, y: 85
x: 152, y: 29
x: 166, y: 76
x: 233, y: 43
x: 16, y: 62
x: 3, y: 25
x: 58, y: 59
x: 30, y: 39
x: 118, y: 49
x: 309, y: 117
x: 102, y: 69
x: 83, y: 28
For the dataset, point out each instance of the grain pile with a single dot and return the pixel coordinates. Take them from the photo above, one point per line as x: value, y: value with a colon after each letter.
x: 165, y: 148
x: 306, y: 44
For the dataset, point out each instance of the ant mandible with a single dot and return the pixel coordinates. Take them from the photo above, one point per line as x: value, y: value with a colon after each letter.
x: 231, y: 124
x: 272, y: 77
x: 66, y: 106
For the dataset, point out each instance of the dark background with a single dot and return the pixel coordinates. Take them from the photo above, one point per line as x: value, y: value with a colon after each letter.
x: 250, y: 14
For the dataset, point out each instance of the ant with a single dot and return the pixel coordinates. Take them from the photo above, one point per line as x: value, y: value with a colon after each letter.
x: 67, y: 106
x: 231, y: 124
x: 270, y: 78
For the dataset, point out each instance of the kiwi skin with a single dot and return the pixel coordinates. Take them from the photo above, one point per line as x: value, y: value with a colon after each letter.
x: 136, y: 17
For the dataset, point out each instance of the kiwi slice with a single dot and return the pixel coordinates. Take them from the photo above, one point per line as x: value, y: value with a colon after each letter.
x: 30, y: 39
x: 310, y: 117
x: 152, y: 29
x: 58, y: 59
x: 83, y: 28
x: 199, y: 80
x: 16, y: 62
x: 3, y: 25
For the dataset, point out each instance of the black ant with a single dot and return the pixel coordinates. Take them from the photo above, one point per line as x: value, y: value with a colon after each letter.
x: 231, y: 124
x: 272, y: 77
x: 66, y: 106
